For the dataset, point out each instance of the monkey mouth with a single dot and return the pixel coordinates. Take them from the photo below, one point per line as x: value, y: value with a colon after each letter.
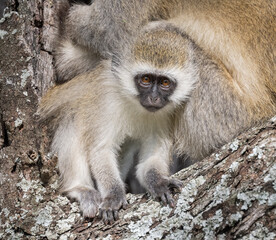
x: 152, y: 108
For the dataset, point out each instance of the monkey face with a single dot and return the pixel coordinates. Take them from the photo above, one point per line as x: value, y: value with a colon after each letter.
x: 154, y: 90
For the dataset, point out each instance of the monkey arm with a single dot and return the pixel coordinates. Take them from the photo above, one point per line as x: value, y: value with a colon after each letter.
x: 108, y: 26
x: 104, y: 168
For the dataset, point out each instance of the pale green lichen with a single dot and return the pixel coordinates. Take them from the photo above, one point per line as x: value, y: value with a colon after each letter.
x: 3, y: 34
x: 257, y: 152
x: 5, y: 211
x: 65, y: 224
x: 249, y: 197
x: 31, y: 188
x: 234, y: 145
x: 61, y: 200
x: 178, y: 234
x: 211, y: 224
x: 222, y: 191
x: 141, y: 227
x: 15, y: 217
x: 108, y: 237
x: 51, y: 235
x: 24, y: 76
x: 168, y: 224
x: 271, y: 176
x: 272, y: 200
x: 14, y: 31
x: 234, y: 167
x: 8, y: 15
x: 18, y: 122
x: 221, y: 237
x: 235, y: 217
x: 44, y: 217
x: 24, y: 184
x: 260, y: 232
x: 217, y: 156
x: 55, y: 184
x: 9, y: 82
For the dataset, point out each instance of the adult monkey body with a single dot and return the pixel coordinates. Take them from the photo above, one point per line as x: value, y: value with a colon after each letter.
x: 222, y: 75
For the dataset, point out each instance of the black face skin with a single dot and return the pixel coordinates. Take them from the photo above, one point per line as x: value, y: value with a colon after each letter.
x: 154, y: 90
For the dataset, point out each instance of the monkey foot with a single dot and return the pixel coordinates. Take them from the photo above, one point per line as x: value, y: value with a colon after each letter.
x: 89, y: 203
x: 161, y: 187
x: 111, y: 204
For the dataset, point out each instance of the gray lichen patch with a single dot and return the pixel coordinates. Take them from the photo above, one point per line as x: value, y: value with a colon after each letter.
x: 235, y: 217
x: 260, y: 232
x: 7, y: 16
x: 3, y: 33
x: 234, y: 145
x: 32, y: 189
x: 248, y: 197
x: 271, y: 176
x: 257, y: 152
x: 148, y: 213
x: 43, y: 220
x: 24, y: 76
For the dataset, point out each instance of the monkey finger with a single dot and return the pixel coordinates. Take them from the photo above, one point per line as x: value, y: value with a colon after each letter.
x: 100, y: 213
x: 116, y: 215
x: 104, y: 217
x: 125, y: 204
x: 175, y: 185
x: 89, y: 213
x: 110, y: 216
x: 167, y: 199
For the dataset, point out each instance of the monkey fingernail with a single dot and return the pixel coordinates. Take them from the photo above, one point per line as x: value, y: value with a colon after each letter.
x: 116, y: 215
x: 125, y: 205
x: 167, y: 199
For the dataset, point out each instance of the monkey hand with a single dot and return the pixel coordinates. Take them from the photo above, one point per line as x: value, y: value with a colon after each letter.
x: 98, y: 27
x: 111, y: 204
x: 89, y: 203
x: 160, y: 187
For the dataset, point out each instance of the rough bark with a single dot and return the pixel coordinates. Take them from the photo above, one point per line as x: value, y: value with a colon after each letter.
x: 229, y: 195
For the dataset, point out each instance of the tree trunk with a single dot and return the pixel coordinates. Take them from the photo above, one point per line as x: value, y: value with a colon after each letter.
x: 229, y: 195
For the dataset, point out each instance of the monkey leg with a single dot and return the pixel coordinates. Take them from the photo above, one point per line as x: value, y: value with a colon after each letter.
x: 106, y: 173
x: 76, y: 181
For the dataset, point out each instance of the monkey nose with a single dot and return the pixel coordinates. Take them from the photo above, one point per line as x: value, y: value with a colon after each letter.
x: 154, y: 100
x: 152, y: 103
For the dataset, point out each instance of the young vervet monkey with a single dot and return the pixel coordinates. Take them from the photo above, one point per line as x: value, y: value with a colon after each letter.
x: 124, y: 105
x: 239, y: 34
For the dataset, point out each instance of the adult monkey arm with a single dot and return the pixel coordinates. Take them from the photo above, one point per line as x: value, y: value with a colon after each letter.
x: 107, y: 26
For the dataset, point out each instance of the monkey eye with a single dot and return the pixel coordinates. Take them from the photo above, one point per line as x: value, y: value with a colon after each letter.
x: 165, y: 83
x: 145, y: 81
